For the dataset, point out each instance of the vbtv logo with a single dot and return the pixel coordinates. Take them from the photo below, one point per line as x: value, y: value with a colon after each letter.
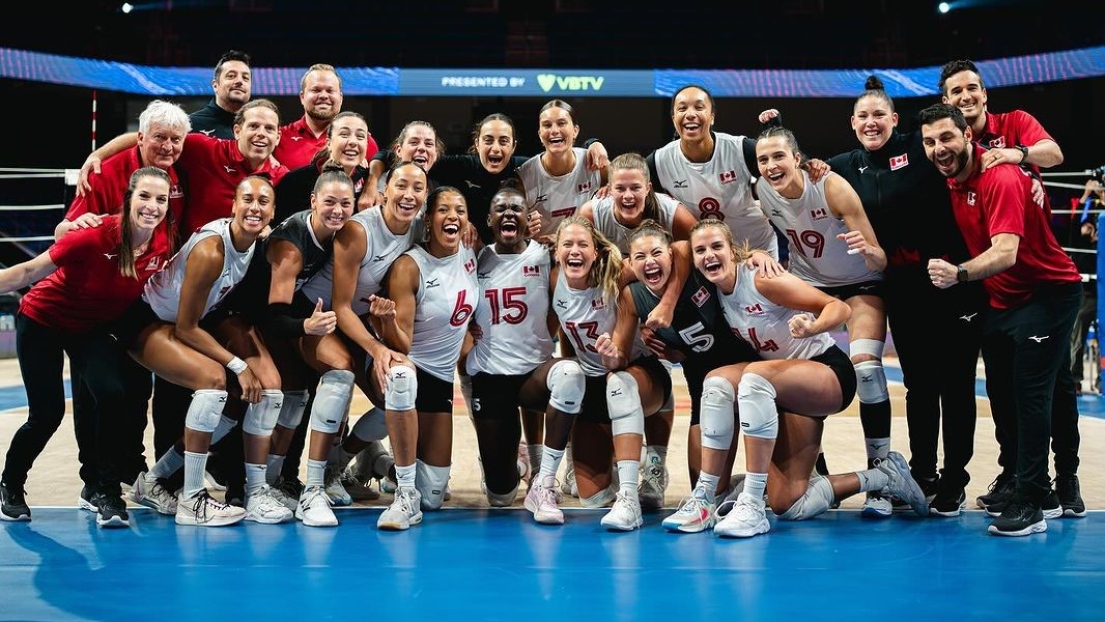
x: 569, y: 83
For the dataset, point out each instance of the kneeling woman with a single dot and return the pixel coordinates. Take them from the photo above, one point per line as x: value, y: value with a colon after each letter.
x: 173, y: 333
x: 625, y: 382
x: 804, y: 374
x: 434, y: 289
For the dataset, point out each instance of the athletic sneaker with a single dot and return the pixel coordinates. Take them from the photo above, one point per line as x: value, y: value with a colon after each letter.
x: 314, y: 508
x: 339, y: 496
x: 625, y: 515
x: 544, y: 501
x: 1001, y: 490
x: 13, y: 503
x: 150, y: 493
x: 288, y: 491
x: 89, y: 499
x: 695, y: 514
x: 358, y: 489
x: 902, y: 483
x: 568, y: 486
x: 876, y: 506
x: 403, y: 512
x: 1070, y: 496
x: 1050, y: 506
x: 203, y: 511
x: 1021, y: 517
x: 263, y: 507
x: 747, y: 518
x: 930, y: 486
x: 524, y: 471
x: 948, y: 503
x: 111, y: 511
x: 654, y: 482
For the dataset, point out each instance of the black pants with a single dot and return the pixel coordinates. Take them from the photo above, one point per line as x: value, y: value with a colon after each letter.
x: 937, y: 335
x: 137, y: 388
x: 1031, y: 389
x: 1087, y: 315
x: 97, y: 356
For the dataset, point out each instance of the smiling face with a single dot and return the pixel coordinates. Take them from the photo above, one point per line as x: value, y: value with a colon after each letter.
x: 233, y: 87
x: 254, y: 204
x: 162, y: 146
x: 495, y: 145
x: 258, y: 134
x: 778, y: 164
x: 948, y: 147
x: 507, y: 219
x: 418, y: 144
x: 321, y: 95
x: 575, y: 251
x: 446, y: 220
x: 556, y: 130
x: 348, y: 141
x: 149, y: 203
x: 873, y: 121
x: 406, y: 193
x: 650, y: 258
x: 964, y: 90
x: 692, y: 114
x: 713, y: 254
x: 332, y: 204
x: 629, y: 188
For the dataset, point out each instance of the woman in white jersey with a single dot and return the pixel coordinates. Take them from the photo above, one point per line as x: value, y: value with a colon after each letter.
x: 803, y: 374
x: 511, y: 363
x: 833, y: 247
x: 434, y: 290
x: 558, y: 181
x: 172, y: 332
x: 301, y: 335
x: 625, y: 382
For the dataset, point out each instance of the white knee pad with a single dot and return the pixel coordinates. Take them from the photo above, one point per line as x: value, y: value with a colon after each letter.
x: 291, y: 412
x: 335, y: 388
x: 756, y: 402
x: 431, y: 481
x: 715, y: 415
x: 402, y: 388
x: 226, y: 424
x: 372, y: 426
x: 601, y: 498
x: 818, y: 498
x: 623, y: 402
x: 261, y: 417
x: 870, y: 347
x: 206, y: 410
x: 567, y: 384
x: 504, y: 500
x: 871, y: 382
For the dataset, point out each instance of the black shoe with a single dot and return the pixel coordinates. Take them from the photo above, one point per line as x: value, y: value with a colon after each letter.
x: 930, y: 485
x: 949, y: 501
x: 291, y: 487
x: 1070, y: 496
x: 235, y: 495
x: 1049, y: 506
x: 13, y: 504
x: 1001, y: 490
x: 89, y: 499
x: 112, y: 511
x: 1021, y: 517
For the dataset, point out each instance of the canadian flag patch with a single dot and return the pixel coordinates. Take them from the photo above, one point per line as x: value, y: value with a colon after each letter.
x: 818, y: 214
x: 470, y: 265
x: 583, y: 188
x: 700, y: 297
x: 997, y: 143
x: 898, y: 162
x: 755, y: 309
x: 728, y: 176
x: 531, y: 271
x: 971, y: 196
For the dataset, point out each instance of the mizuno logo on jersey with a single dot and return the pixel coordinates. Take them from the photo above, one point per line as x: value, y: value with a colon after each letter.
x: 471, y: 185
x: 378, y: 258
x: 561, y: 304
x: 111, y: 256
x: 728, y: 176
x: 432, y: 283
x: 207, y: 132
x: 295, y: 138
x: 701, y: 296
x: 775, y: 212
x: 819, y: 214
x: 680, y: 183
x: 229, y: 170
x: 531, y: 270
x: 541, y: 198
x: 755, y: 309
x: 900, y: 161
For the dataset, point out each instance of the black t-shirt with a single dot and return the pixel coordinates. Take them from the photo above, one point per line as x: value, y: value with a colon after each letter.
x: 213, y: 121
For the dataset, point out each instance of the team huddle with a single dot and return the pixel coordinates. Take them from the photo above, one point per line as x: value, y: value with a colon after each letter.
x: 252, y: 291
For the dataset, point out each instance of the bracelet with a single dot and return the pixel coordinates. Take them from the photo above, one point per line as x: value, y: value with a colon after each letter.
x: 236, y: 365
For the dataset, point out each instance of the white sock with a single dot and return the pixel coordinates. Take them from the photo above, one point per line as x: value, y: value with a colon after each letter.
x: 755, y: 484
x: 316, y: 473
x: 273, y: 466
x: 194, y: 466
x: 872, y: 479
x: 550, y: 462
x: 255, y: 478
x: 628, y: 473
x: 706, y: 486
x: 405, y: 475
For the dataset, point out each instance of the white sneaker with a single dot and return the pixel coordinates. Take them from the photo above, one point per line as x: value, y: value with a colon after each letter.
x: 403, y: 512
x: 339, y: 496
x: 543, y: 502
x: 314, y: 508
x: 569, y: 487
x: 203, y: 511
x: 625, y: 515
x: 359, y: 489
x: 654, y: 481
x: 877, y: 506
x: 152, y: 494
x: 264, y: 507
x: 747, y: 518
x: 695, y: 514
x: 902, y: 483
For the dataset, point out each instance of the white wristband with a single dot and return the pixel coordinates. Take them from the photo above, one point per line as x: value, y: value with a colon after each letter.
x: 236, y: 365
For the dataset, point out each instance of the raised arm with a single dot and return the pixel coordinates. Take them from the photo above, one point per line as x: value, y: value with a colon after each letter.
x: 23, y: 274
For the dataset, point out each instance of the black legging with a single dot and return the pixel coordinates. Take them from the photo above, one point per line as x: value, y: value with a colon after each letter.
x: 138, y: 386
x: 41, y: 350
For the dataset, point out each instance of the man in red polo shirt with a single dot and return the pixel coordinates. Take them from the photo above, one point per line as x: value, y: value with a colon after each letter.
x: 321, y: 96
x: 1034, y: 290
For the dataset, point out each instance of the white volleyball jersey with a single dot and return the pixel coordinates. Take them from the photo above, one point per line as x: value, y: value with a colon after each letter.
x: 514, y: 302
x: 764, y: 324
x: 718, y: 188
x: 584, y: 315
x: 816, y: 255
x: 162, y: 291
x: 446, y: 299
x: 384, y: 247
x: 616, y: 232
x: 558, y: 197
